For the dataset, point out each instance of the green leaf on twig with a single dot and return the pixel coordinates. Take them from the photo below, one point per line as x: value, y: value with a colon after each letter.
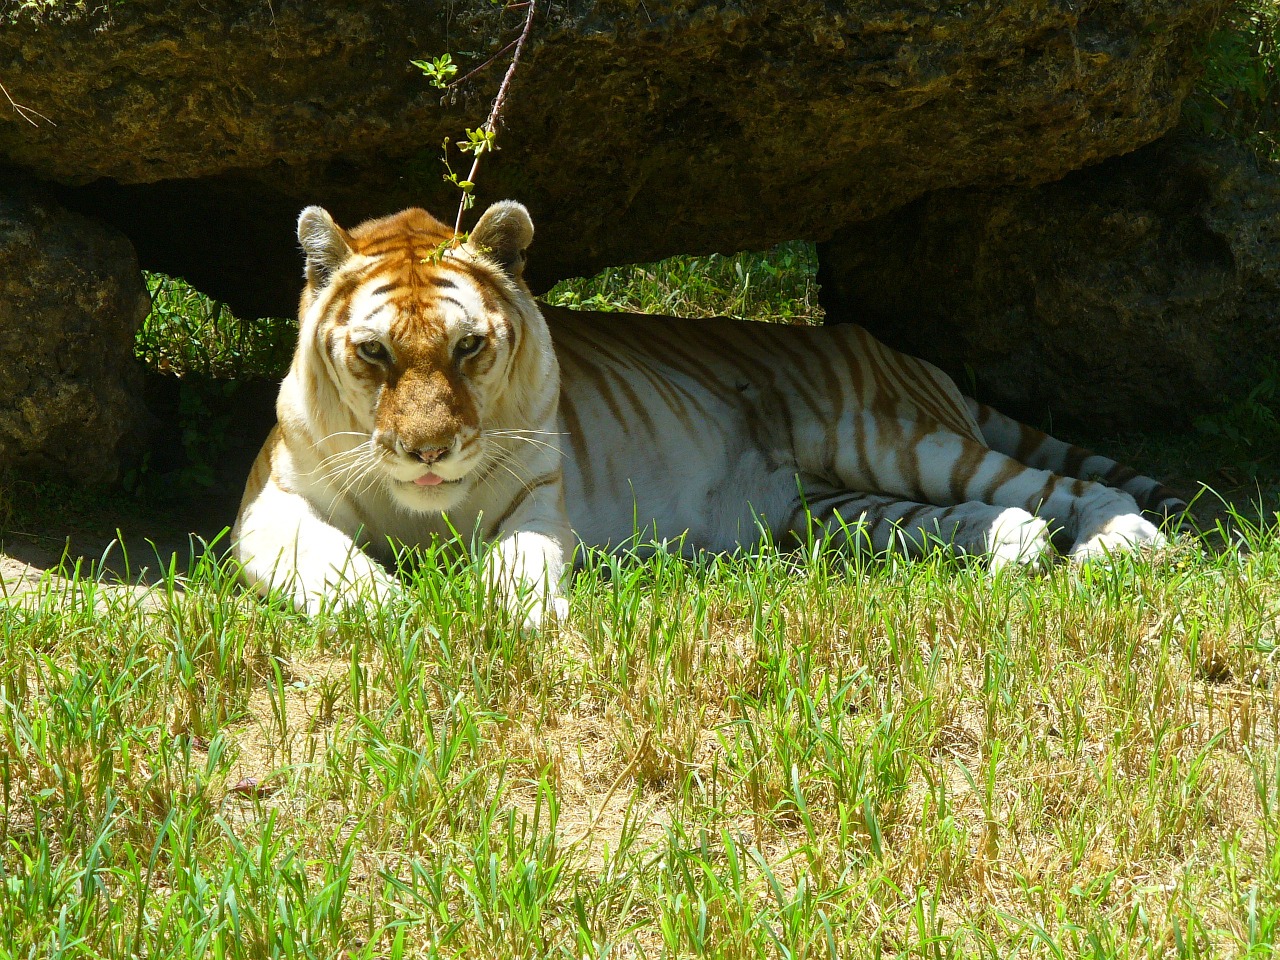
x: 438, y: 71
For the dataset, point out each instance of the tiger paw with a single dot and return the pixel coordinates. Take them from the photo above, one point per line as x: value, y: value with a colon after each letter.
x: 361, y: 585
x: 543, y: 612
x: 1120, y: 534
x: 1017, y: 538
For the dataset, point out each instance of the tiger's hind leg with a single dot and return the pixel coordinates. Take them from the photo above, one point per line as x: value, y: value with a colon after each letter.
x: 1038, y: 449
x: 874, y: 523
x: 947, y: 468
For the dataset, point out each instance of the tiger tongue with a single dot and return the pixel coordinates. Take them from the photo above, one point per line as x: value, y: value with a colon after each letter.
x: 429, y: 480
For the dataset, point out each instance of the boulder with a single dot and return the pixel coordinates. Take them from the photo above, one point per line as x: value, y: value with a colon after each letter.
x: 634, y: 130
x: 1132, y: 295
x: 71, y: 301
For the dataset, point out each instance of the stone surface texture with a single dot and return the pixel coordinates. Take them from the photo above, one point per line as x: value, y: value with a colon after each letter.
x: 71, y: 301
x: 635, y: 130
x: 1130, y: 295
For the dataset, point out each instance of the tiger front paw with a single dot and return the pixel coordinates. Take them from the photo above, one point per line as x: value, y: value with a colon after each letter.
x: 1018, y: 538
x: 536, y: 612
x: 360, y: 585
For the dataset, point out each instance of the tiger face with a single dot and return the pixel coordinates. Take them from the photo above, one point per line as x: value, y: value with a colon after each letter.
x: 423, y: 342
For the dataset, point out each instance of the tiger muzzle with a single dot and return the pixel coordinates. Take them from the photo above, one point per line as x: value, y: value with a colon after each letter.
x: 430, y: 418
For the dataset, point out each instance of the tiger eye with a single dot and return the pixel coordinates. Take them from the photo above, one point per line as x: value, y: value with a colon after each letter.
x: 371, y: 351
x: 468, y: 346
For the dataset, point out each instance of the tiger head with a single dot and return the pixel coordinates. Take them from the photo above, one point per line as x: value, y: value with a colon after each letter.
x: 414, y: 350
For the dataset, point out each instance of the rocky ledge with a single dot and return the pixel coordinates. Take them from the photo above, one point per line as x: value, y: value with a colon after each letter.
x: 635, y: 130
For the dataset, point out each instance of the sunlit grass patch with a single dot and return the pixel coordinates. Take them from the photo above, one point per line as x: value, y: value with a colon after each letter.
x: 190, y: 333
x: 733, y: 756
x: 778, y: 284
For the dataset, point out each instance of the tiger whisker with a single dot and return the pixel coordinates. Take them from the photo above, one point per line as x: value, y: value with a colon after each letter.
x: 373, y: 479
x: 338, y: 466
x: 523, y: 483
x: 535, y: 442
x: 362, y: 471
x: 368, y: 476
x: 347, y: 480
x: 521, y: 434
x: 336, y: 459
x: 501, y: 453
x: 497, y: 443
x: 337, y: 462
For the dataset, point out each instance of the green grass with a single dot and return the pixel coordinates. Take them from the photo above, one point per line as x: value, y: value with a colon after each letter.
x: 778, y: 285
x: 810, y: 760
x: 187, y: 333
x: 1239, y: 94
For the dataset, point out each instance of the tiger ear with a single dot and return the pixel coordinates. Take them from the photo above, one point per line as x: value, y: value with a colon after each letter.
x: 323, y: 242
x: 503, y: 235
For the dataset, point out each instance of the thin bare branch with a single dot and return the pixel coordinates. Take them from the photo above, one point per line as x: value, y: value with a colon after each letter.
x: 486, y: 65
x: 26, y: 113
x: 495, y: 112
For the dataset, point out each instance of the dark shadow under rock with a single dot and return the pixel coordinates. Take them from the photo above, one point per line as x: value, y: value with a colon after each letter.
x: 1132, y: 295
x: 207, y: 435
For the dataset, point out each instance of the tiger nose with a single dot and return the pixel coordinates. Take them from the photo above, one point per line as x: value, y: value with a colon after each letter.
x: 430, y: 454
x: 427, y: 455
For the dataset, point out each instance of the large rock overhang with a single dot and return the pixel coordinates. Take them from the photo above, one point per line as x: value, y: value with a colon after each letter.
x: 634, y: 130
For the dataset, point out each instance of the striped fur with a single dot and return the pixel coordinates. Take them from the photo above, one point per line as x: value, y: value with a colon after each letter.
x: 695, y: 431
x: 708, y: 428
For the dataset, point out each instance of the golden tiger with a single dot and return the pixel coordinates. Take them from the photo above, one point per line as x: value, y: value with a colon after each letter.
x: 427, y: 381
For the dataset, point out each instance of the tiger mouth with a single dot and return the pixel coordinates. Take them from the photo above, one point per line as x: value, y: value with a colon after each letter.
x: 431, y: 486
